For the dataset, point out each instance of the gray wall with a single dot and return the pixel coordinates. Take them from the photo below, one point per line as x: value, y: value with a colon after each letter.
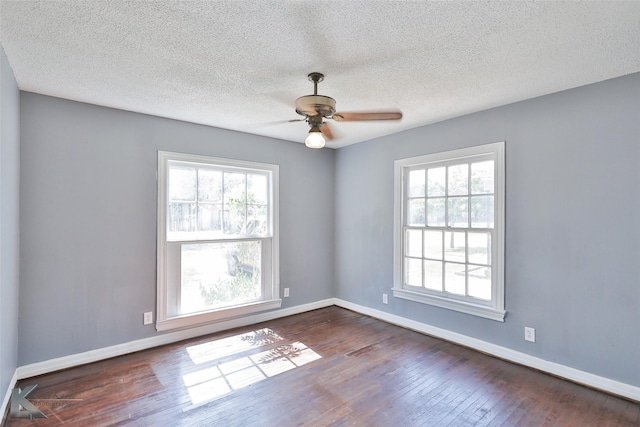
x: 88, y: 219
x: 572, y: 229
x: 9, y: 222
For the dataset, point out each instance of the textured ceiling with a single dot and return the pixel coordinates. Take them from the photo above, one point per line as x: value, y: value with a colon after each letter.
x: 241, y: 64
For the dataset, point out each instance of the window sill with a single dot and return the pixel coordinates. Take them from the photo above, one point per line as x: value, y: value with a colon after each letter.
x: 227, y: 313
x: 463, y: 307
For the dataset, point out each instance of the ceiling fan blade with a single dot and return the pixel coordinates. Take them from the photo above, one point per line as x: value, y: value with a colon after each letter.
x: 274, y: 123
x: 326, y: 131
x: 362, y: 116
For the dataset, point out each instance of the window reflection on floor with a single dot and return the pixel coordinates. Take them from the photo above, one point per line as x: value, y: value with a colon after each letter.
x: 224, y: 373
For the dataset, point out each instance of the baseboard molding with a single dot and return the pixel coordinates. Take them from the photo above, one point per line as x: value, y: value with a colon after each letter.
x: 52, y: 365
x: 7, y: 396
x: 591, y: 380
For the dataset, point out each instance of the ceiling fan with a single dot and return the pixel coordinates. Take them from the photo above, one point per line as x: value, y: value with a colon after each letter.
x: 318, y: 107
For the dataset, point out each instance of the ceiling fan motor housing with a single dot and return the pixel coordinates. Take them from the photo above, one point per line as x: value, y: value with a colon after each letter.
x: 313, y: 105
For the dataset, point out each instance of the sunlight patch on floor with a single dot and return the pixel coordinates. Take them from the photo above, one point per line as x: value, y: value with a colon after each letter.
x: 224, y: 347
x: 213, y: 382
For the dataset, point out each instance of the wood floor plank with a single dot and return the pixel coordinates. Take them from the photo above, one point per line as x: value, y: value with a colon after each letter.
x: 328, y: 367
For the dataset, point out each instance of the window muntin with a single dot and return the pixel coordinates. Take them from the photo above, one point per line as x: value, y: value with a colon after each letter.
x: 449, y: 230
x: 217, y: 239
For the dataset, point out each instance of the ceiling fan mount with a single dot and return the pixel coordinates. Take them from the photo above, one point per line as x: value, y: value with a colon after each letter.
x: 318, y: 107
x: 315, y: 77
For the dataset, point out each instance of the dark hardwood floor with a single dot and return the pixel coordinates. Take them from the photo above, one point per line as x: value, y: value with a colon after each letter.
x: 325, y: 367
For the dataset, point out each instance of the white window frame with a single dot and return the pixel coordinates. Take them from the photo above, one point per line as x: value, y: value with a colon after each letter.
x: 168, y: 273
x: 493, y: 309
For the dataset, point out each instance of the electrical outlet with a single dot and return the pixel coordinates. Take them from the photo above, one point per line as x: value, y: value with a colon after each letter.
x: 529, y: 334
x: 286, y: 292
x: 385, y: 299
x: 147, y: 319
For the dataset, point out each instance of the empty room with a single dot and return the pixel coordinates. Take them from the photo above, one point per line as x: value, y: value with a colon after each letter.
x: 283, y: 213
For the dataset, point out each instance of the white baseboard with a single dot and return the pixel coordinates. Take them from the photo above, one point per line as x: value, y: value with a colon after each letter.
x: 611, y: 386
x: 595, y: 381
x: 51, y: 365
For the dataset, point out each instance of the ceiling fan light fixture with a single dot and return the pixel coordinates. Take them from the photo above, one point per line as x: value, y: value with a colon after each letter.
x: 316, y: 108
x: 315, y: 139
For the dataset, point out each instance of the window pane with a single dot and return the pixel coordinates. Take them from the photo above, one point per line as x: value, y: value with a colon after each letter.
x: 479, y: 248
x: 454, y: 246
x: 235, y: 202
x: 182, y: 184
x: 219, y: 275
x: 482, y: 177
x: 182, y: 217
x: 435, y: 211
x: 480, y: 282
x: 413, y: 272
x: 414, y: 243
x: 234, y: 219
x: 482, y: 211
x: 454, y: 278
x: 257, y: 220
x: 436, y: 181
x: 415, y: 214
x: 433, y: 275
x: 458, y: 182
x: 234, y: 189
x: 433, y: 244
x: 458, y: 212
x: 209, y: 217
x: 258, y: 190
x: 416, y: 183
x: 209, y: 185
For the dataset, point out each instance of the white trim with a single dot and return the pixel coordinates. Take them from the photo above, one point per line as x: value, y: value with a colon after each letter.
x: 461, y: 306
x: 496, y: 309
x: 161, y: 245
x: 193, y: 320
x: 7, y: 396
x: 51, y: 365
x: 591, y: 380
x: 166, y: 318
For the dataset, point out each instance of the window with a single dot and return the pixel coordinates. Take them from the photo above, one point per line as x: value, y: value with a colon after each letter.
x: 217, y: 239
x: 449, y: 230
